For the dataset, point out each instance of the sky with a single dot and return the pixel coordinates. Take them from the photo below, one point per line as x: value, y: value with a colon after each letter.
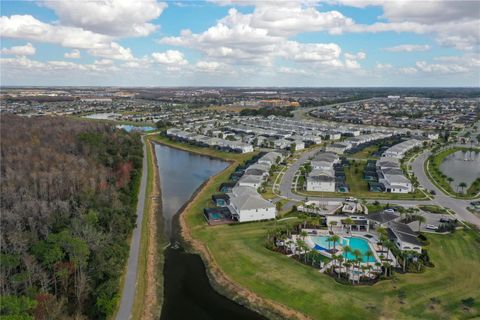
x: 324, y: 43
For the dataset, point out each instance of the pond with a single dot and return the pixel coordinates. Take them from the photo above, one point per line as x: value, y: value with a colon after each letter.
x: 187, y: 290
x: 130, y: 128
x: 102, y: 116
x: 462, y: 166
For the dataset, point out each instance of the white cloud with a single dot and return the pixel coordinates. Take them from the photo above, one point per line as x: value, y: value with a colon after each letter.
x: 26, y: 50
x: 233, y: 40
x: 74, y: 54
x: 110, y: 17
x: 408, y: 48
x: 292, y: 71
x: 440, y: 68
x: 29, y: 28
x: 208, y: 66
x: 22, y: 64
x: 170, y: 57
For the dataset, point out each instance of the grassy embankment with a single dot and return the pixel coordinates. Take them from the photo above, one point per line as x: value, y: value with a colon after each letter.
x: 239, y: 252
x: 359, y: 187
x: 440, y: 179
x: 149, y: 294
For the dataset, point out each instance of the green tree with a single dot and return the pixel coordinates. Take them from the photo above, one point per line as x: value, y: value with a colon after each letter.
x: 462, y: 186
x: 17, y: 308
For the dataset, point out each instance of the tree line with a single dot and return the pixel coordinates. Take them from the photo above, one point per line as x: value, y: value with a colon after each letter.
x: 68, y: 197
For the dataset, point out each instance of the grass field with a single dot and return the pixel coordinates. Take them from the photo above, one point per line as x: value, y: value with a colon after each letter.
x: 435, y: 294
x: 365, y: 153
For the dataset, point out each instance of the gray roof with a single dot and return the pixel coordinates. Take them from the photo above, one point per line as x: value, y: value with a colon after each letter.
x: 403, y: 237
x: 382, y: 217
x: 246, y: 198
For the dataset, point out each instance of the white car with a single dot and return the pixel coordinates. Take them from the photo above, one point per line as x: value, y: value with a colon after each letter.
x: 431, y: 227
x: 351, y: 199
x: 389, y: 211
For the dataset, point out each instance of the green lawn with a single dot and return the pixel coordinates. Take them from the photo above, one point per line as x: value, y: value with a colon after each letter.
x: 239, y: 250
x: 365, y: 153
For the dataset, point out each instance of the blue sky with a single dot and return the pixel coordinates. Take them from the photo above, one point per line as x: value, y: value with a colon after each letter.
x: 250, y: 43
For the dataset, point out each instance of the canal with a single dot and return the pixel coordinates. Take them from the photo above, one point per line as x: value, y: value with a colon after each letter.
x: 187, y: 290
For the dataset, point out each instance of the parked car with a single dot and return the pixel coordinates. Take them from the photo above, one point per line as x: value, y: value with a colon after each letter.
x: 433, y: 192
x: 431, y: 227
x: 445, y: 220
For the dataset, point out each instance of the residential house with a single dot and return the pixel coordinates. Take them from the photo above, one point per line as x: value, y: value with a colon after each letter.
x: 247, y: 205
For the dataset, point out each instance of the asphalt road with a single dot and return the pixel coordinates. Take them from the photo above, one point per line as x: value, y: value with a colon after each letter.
x: 130, y: 285
x: 457, y: 205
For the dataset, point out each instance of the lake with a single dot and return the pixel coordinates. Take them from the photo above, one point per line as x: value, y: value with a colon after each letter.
x: 187, y: 290
x: 130, y: 128
x: 462, y: 166
x: 102, y: 116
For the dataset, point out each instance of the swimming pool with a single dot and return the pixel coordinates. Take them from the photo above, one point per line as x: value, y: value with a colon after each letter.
x: 321, y: 244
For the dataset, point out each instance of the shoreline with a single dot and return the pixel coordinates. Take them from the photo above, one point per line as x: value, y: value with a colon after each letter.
x: 153, y: 295
x: 218, y: 279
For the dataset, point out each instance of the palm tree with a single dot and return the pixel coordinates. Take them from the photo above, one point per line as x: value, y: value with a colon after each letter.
x: 304, y: 218
x: 332, y: 223
x: 358, y: 254
x: 303, y: 235
x: 346, y: 250
x: 348, y: 222
x: 335, y: 239
x: 420, y: 219
x: 313, y: 254
x: 334, y: 259
x: 347, y: 265
x: 450, y: 180
x: 462, y: 185
x: 369, y: 254
x: 340, y: 260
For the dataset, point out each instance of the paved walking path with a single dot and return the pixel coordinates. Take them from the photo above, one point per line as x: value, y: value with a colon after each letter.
x: 130, y: 285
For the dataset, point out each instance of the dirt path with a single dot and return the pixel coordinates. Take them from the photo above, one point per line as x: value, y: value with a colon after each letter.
x: 219, y: 277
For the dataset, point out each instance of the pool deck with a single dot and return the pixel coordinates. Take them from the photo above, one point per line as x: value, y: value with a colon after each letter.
x: 372, y: 242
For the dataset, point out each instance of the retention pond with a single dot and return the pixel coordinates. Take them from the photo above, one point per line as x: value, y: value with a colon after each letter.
x: 187, y: 290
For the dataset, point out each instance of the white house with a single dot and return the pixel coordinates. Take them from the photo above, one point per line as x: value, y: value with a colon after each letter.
x: 338, y: 148
x: 391, y: 176
x: 398, y: 151
x: 321, y: 180
x: 299, y: 145
x: 252, y: 181
x: 270, y: 158
x: 404, y: 237
x: 247, y: 205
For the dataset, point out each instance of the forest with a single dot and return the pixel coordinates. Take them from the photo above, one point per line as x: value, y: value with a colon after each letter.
x: 68, y: 196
